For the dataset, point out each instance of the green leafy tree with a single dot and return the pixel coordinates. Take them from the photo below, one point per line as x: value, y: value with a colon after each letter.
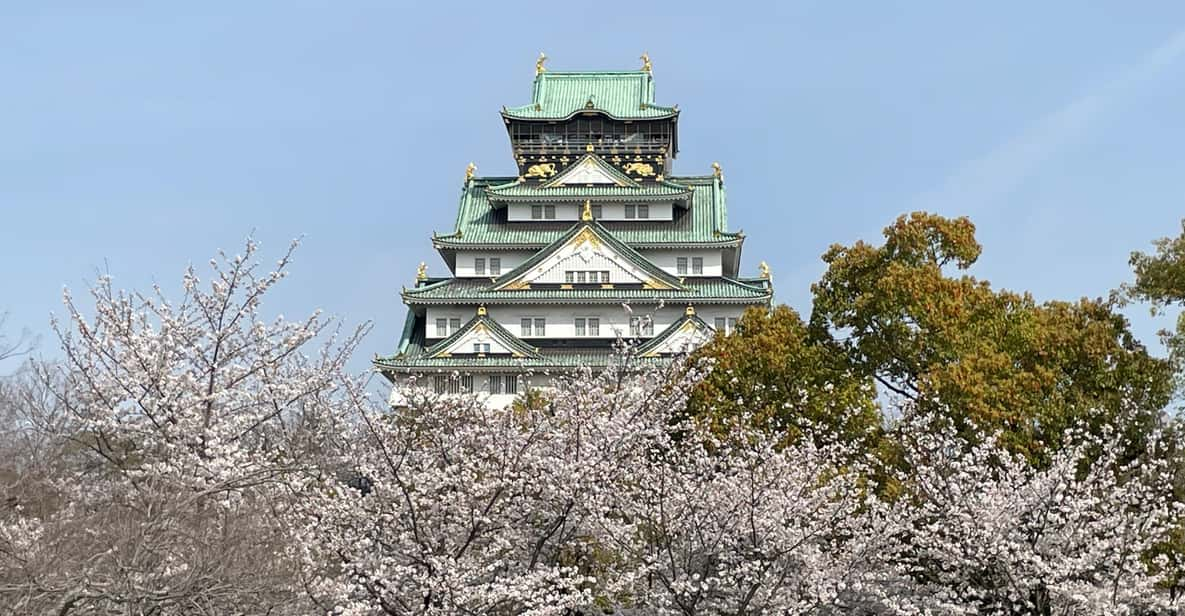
x: 1160, y: 280
x: 990, y: 360
x: 772, y: 368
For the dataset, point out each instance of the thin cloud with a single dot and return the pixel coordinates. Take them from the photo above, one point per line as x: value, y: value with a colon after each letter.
x: 985, y: 180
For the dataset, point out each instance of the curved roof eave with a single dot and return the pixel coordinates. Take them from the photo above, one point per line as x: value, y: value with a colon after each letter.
x: 669, y: 112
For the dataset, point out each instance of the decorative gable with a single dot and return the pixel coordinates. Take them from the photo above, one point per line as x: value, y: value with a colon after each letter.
x: 586, y: 251
x: 489, y: 337
x: 683, y: 336
x: 480, y: 336
x: 591, y: 170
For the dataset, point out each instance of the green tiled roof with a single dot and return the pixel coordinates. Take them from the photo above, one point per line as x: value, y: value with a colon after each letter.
x: 614, y: 244
x: 625, y: 95
x: 544, y: 362
x: 523, y: 191
x: 473, y: 291
x: 480, y: 224
x: 413, y: 355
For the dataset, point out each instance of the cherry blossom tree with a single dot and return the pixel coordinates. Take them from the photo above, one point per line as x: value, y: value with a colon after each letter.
x: 175, y: 422
x: 602, y: 500
x: 605, y: 501
x: 990, y: 533
x: 192, y: 457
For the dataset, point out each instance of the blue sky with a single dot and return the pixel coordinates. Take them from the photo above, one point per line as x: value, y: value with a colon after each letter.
x: 137, y: 138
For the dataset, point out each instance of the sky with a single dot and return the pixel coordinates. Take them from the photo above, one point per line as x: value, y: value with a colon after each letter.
x: 138, y: 138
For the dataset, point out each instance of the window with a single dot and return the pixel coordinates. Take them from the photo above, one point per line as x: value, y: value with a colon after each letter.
x: 643, y: 211
x: 681, y: 266
x: 495, y: 383
x: 549, y: 212
x: 536, y: 326
x: 597, y: 211
x: 443, y: 384
x: 445, y: 327
x: 496, y: 266
x: 725, y: 326
x: 481, y: 347
x: 719, y: 324
x: 588, y: 326
x: 511, y: 384
x: 586, y: 277
x: 697, y: 266
x: 732, y: 324
x: 631, y: 211
x: 536, y: 212
x: 479, y: 267
x: 641, y: 326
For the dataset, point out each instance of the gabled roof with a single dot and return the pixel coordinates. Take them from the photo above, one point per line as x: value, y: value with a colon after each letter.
x: 683, y: 335
x: 483, y: 324
x: 590, y: 169
x: 623, y: 95
x: 481, y: 224
x: 590, y: 233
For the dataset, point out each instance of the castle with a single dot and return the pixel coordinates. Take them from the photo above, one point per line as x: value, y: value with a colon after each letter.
x: 595, y: 240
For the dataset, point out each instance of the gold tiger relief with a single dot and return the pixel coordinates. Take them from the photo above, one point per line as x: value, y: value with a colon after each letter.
x: 542, y: 170
x: 642, y: 169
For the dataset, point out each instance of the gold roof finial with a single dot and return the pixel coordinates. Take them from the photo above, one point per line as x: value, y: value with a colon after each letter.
x: 469, y: 171
x: 481, y: 310
x: 764, y: 267
x: 717, y: 171
x: 539, y: 68
x: 422, y: 271
x: 645, y: 62
x: 690, y: 310
x: 587, y: 213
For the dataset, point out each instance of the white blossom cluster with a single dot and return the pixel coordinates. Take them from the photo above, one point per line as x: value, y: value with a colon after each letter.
x: 168, y: 429
x: 195, y: 458
x: 607, y: 501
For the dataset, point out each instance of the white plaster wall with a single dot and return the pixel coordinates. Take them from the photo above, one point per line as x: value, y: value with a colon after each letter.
x: 403, y: 384
x: 510, y: 260
x: 464, y: 313
x: 665, y: 259
x: 561, y: 319
x: 521, y: 212
x: 614, y: 319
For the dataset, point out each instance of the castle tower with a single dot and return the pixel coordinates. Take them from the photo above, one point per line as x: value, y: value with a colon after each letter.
x: 596, y: 239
